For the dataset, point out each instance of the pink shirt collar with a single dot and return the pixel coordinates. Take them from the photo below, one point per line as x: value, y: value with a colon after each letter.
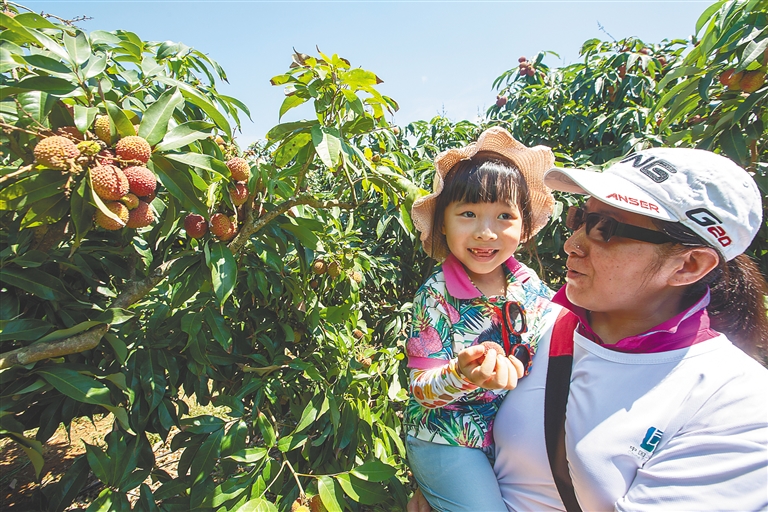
x: 460, y: 286
x: 687, y: 328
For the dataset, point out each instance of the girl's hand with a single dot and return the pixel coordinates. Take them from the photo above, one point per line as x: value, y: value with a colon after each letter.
x: 489, y: 370
x: 418, y: 503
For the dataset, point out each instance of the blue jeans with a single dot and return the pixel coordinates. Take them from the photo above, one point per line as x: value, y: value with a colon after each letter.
x: 454, y: 478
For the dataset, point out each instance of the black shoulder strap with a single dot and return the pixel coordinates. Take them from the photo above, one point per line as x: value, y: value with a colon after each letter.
x: 555, y: 401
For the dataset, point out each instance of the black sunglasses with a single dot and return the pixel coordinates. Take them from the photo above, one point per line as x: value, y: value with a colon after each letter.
x: 602, y: 228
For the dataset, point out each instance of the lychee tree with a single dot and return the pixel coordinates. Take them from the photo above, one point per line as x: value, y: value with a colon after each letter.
x: 145, y: 259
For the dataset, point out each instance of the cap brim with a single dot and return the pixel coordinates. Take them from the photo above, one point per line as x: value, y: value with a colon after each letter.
x: 609, y: 188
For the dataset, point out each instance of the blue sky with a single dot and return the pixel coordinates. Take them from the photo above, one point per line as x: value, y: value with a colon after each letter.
x: 434, y: 57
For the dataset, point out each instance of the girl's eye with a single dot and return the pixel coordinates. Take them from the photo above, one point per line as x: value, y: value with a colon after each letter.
x: 470, y: 215
x: 506, y: 216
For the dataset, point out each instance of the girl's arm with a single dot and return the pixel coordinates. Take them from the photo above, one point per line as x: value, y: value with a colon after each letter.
x: 439, y: 386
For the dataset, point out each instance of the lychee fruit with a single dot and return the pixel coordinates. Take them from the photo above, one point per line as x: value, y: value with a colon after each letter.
x: 130, y: 201
x: 334, y: 269
x: 195, y: 225
x: 118, y: 209
x: 501, y: 101
x: 101, y: 129
x: 316, y: 504
x: 71, y: 132
x: 132, y: 148
x: 752, y: 81
x: 239, y: 169
x: 492, y: 345
x: 239, y: 193
x: 396, y: 130
x: 521, y: 59
x: 357, y: 277
x: 319, y: 266
x: 141, y: 180
x: 109, y: 182
x: 223, y: 227
x: 56, y: 152
x: 358, y: 334
x: 731, y: 79
x: 141, y: 216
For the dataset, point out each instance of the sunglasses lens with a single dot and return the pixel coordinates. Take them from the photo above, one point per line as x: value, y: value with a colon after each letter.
x: 514, y: 318
x: 600, y: 227
x: 574, y: 218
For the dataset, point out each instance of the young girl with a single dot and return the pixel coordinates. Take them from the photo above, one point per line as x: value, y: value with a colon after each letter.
x: 488, y: 197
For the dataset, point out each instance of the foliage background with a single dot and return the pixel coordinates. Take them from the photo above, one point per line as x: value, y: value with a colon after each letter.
x: 132, y: 322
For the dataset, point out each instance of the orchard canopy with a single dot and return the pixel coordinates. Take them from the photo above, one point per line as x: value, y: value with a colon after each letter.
x: 147, y: 262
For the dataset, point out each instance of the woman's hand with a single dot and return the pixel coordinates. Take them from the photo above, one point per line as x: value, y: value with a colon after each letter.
x: 418, y: 503
x: 489, y: 370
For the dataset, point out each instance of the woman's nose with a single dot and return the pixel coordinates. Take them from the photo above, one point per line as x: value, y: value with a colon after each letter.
x: 575, y: 243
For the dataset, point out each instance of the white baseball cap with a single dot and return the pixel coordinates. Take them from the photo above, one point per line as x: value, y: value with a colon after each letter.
x: 707, y: 193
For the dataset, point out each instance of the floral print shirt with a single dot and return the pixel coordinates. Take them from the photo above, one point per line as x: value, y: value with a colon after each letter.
x: 450, y: 314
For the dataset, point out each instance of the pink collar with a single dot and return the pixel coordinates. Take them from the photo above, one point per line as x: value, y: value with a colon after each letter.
x: 682, y: 330
x: 460, y: 286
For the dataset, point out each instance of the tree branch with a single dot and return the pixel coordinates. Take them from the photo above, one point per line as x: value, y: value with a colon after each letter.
x: 39, y: 351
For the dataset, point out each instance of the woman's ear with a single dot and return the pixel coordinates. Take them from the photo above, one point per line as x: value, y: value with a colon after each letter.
x: 693, y: 265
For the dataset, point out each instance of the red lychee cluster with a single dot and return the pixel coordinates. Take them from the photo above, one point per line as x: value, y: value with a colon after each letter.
x: 120, y: 175
x: 525, y: 67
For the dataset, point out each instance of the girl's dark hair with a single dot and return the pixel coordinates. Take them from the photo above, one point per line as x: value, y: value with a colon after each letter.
x: 737, y: 305
x: 485, y: 178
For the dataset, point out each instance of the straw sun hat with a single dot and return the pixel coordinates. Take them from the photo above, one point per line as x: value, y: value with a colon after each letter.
x: 532, y: 163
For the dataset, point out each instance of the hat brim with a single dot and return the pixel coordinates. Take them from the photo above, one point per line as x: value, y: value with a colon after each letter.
x: 532, y: 162
x: 609, y: 188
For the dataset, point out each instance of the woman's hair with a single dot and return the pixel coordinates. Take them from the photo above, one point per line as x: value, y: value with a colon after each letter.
x: 485, y: 178
x: 738, y: 290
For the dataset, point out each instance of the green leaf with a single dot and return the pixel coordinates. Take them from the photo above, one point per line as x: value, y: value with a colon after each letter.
x: 257, y: 505
x: 154, y: 122
x: 84, y: 117
x: 196, y: 98
x: 120, y: 120
x: 100, y: 463
x: 249, y: 455
x: 288, y: 443
x: 223, y: 270
x: 185, y: 134
x: 204, y: 424
x: 32, y: 189
x: 283, y: 129
x: 44, y: 63
x: 307, y: 417
x: 36, y: 282
x: 291, y: 102
x: 47, y: 211
x: 307, y: 237
x: 374, y: 471
x: 753, y: 52
x: 81, y: 212
x: 49, y: 84
x: 65, y: 490
x: 733, y: 144
x: 24, y: 329
x: 327, y: 144
x: 366, y: 493
x: 76, y: 385
x: 207, y: 455
x: 95, y: 66
x: 267, y: 432
x: 290, y: 148
x: 33, y: 449
x: 66, y: 333
x: 329, y: 494
x: 78, y: 47
x: 206, y: 162
x: 178, y: 184
x: 218, y: 326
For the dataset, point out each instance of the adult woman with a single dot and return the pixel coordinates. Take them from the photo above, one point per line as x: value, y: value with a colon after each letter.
x: 662, y: 410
